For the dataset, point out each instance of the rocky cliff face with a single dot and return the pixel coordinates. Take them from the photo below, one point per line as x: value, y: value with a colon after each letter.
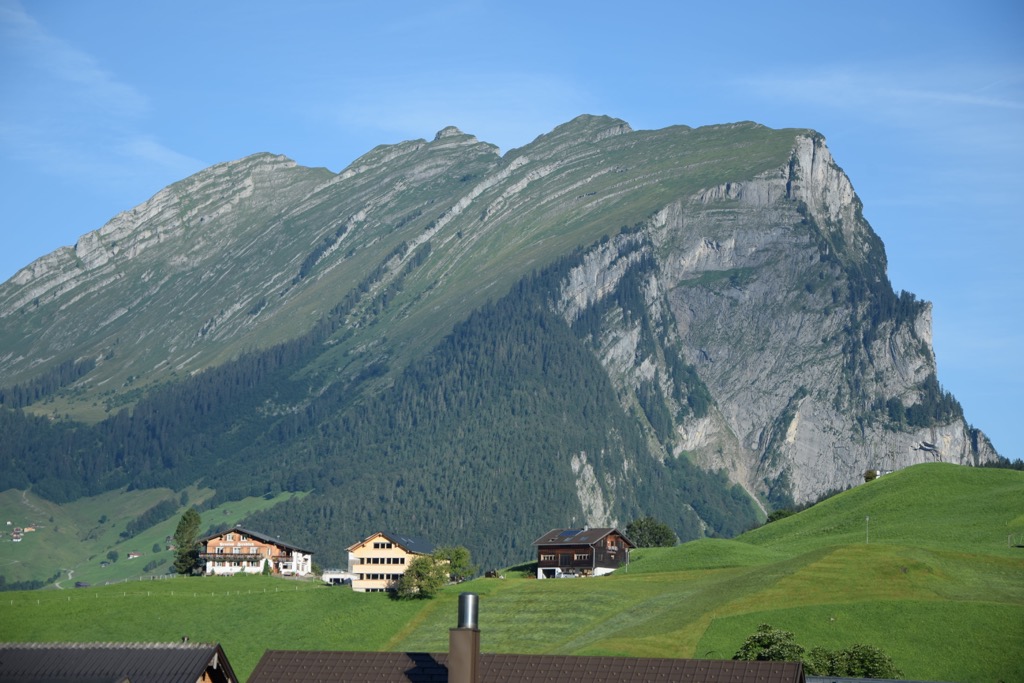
x: 735, y: 296
x: 758, y: 298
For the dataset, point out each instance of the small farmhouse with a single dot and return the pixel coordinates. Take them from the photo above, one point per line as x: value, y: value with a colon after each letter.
x: 581, y: 552
x: 378, y: 561
x: 241, y: 550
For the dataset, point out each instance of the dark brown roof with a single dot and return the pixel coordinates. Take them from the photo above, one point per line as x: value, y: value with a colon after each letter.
x: 114, y: 662
x: 278, y: 666
x: 259, y: 536
x: 578, y: 536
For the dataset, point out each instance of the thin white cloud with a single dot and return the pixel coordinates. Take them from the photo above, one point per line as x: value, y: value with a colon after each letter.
x: 76, y: 76
x: 145, y: 149
x: 904, y: 94
x: 66, y: 115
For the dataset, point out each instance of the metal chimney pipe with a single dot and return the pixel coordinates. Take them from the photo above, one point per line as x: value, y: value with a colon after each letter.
x: 464, y: 643
x: 468, y: 608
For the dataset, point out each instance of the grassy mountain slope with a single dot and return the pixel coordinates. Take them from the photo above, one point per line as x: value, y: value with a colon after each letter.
x: 472, y: 348
x: 249, y: 253
x: 947, y: 603
x: 70, y: 542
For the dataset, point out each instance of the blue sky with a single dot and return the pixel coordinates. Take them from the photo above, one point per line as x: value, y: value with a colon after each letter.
x: 104, y: 103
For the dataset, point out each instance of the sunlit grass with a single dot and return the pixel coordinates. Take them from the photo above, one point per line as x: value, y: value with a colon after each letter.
x: 945, y: 603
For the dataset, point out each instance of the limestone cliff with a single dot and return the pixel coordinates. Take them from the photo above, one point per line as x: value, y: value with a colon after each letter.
x: 755, y: 276
x: 724, y: 277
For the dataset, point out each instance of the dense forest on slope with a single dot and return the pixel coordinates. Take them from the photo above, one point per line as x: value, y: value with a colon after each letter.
x: 462, y: 448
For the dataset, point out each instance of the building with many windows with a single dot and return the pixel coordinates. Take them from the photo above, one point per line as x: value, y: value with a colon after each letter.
x: 377, y: 562
x: 241, y: 550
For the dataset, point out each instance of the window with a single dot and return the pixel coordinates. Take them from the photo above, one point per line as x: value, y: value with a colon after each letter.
x: 236, y: 550
x: 219, y: 550
x: 229, y: 537
x: 381, y: 544
x: 547, y: 557
x: 581, y: 557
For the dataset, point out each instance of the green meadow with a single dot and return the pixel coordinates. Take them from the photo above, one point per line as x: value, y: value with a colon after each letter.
x: 934, y: 577
x: 73, y: 540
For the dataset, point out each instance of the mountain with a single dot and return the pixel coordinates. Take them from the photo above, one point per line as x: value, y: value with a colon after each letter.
x: 474, y: 347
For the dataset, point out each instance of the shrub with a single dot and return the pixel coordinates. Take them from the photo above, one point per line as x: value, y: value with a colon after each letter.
x: 770, y: 644
x: 422, y: 579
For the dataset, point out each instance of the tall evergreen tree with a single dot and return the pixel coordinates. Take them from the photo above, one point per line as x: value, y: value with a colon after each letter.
x: 186, y: 542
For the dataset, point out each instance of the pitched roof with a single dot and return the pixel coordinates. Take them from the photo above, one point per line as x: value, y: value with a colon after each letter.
x: 408, y: 543
x: 418, y: 667
x: 114, y: 662
x: 265, y: 538
x: 579, y: 536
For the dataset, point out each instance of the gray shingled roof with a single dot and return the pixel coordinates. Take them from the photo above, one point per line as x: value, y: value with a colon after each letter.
x: 113, y: 662
x: 414, y: 667
x: 577, y: 536
x: 409, y: 543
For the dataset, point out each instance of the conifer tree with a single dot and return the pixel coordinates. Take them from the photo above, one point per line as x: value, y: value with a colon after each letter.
x: 186, y: 542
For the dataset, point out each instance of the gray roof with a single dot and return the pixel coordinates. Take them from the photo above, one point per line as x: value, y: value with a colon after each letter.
x: 421, y: 667
x: 409, y: 543
x: 578, y: 536
x: 259, y: 537
x: 113, y: 662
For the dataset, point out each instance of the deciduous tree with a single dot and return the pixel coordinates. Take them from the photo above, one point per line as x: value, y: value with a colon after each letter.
x: 770, y: 644
x: 457, y: 561
x: 858, y: 661
x: 648, y: 532
x: 422, y: 579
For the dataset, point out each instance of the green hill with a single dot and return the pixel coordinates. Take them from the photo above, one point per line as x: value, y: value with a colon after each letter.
x: 938, y: 587
x: 74, y: 542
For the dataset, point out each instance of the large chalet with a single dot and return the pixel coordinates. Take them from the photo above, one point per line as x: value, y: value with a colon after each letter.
x: 238, y: 550
x: 581, y: 552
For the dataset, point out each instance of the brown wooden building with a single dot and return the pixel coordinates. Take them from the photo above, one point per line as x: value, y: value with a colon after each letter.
x: 581, y: 552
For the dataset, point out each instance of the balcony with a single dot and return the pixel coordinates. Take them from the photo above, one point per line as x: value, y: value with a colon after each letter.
x: 231, y: 557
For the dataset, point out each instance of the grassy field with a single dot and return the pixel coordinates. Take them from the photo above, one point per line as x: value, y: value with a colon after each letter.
x: 939, y: 589
x: 71, y: 539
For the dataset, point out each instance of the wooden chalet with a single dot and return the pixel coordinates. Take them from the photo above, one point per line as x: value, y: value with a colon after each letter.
x: 581, y: 552
x: 239, y: 550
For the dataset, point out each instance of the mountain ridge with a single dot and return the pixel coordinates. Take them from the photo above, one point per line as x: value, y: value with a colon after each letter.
x: 723, y: 278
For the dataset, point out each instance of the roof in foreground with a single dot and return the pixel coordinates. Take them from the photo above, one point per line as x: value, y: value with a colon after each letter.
x: 114, y: 662
x: 416, y: 667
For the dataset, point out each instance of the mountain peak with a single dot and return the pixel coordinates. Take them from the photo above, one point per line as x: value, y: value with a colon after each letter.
x: 448, y: 132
